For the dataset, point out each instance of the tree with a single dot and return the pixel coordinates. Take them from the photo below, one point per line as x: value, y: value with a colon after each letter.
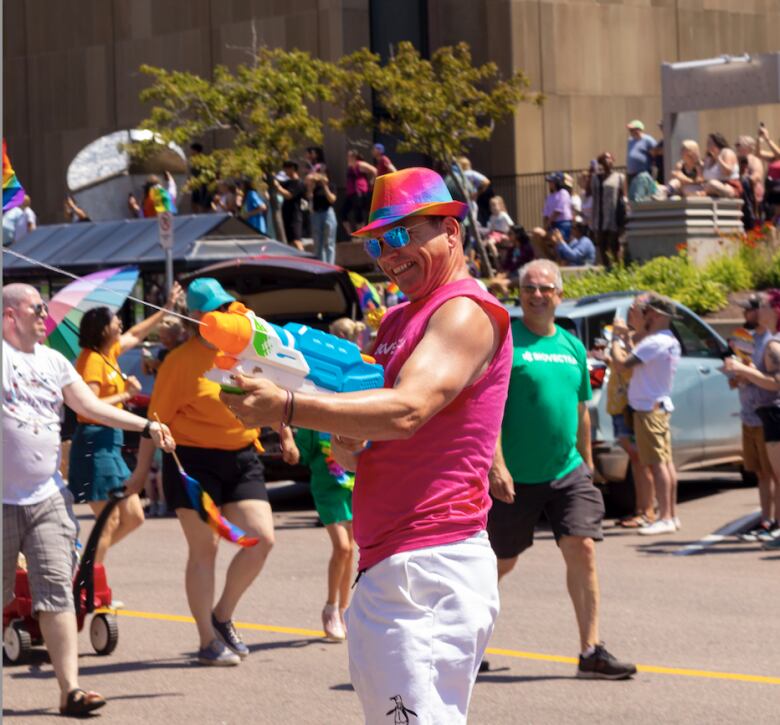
x: 261, y: 112
x: 438, y: 107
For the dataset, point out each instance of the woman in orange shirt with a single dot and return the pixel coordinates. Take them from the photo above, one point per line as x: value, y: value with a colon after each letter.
x: 219, y: 452
x: 96, y: 465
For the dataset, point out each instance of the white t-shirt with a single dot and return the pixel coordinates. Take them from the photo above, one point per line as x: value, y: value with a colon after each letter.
x: 23, y: 222
x: 651, y: 382
x: 500, y: 222
x: 32, y: 403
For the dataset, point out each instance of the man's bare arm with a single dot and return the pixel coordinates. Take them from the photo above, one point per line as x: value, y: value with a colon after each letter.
x: 583, y: 435
x: 768, y: 381
x: 456, y: 349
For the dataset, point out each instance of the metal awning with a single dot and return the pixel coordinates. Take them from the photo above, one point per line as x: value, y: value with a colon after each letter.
x: 199, y: 239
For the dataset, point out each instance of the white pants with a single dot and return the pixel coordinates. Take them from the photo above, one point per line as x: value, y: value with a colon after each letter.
x: 418, y: 626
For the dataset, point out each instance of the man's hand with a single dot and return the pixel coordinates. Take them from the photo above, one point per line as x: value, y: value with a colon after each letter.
x: 174, y: 296
x: 502, y: 487
x: 161, y: 436
x: 346, y: 451
x: 290, y: 453
x: 263, y: 403
x: 734, y: 366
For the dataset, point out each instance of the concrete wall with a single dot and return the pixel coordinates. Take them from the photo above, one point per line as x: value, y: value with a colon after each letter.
x: 70, y: 69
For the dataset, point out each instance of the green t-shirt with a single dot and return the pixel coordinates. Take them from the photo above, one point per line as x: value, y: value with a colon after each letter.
x: 549, y: 379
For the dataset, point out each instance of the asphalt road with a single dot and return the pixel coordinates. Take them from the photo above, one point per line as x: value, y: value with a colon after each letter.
x: 704, y: 629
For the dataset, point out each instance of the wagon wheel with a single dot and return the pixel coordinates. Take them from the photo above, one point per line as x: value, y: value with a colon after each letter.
x: 104, y: 633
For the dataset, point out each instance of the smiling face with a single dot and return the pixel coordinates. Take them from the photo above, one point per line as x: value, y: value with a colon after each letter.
x: 25, y: 322
x: 430, y: 258
x: 539, y: 297
x: 113, y: 331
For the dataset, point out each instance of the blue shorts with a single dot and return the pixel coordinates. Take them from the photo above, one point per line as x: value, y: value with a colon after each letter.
x: 620, y: 427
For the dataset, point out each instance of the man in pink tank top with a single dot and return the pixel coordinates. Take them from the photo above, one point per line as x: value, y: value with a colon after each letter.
x: 426, y: 597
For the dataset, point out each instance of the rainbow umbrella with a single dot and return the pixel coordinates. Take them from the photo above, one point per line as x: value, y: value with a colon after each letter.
x: 106, y: 288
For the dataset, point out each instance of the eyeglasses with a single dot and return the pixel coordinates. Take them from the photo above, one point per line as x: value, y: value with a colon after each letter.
x: 397, y: 237
x: 41, y: 310
x: 546, y: 290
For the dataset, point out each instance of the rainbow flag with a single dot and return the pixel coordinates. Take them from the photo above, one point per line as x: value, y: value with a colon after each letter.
x: 369, y: 297
x: 161, y: 199
x: 393, y: 289
x: 13, y: 192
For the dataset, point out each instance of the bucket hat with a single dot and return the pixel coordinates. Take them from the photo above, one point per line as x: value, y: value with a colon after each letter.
x: 206, y: 294
x: 410, y: 192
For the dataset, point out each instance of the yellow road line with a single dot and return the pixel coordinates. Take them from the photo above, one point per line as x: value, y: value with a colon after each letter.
x: 680, y: 672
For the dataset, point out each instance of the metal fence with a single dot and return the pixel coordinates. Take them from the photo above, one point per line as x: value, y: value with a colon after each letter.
x: 524, y: 194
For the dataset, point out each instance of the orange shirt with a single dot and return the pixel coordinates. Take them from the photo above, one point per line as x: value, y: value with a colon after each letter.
x: 190, y: 404
x: 103, y: 370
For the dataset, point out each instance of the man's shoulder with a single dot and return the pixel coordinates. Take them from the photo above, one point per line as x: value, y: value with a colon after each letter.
x: 570, y: 340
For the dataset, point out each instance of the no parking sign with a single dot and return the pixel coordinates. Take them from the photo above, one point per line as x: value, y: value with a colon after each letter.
x: 165, y: 225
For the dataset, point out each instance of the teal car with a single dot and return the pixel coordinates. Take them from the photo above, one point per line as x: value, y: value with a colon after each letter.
x: 706, y: 427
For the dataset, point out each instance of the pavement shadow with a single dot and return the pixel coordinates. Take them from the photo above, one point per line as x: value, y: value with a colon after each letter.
x: 511, y: 679
x: 45, y: 712
x: 178, y: 663
x: 672, y: 547
x: 286, y: 644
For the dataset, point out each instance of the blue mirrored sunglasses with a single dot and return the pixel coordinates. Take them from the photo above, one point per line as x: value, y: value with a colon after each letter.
x: 396, y: 238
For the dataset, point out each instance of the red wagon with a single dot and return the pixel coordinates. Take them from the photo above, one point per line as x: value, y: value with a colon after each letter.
x: 90, y: 592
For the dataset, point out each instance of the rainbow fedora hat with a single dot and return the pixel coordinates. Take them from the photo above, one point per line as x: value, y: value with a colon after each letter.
x: 409, y: 192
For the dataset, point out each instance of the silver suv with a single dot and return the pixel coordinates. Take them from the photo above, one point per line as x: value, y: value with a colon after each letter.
x: 706, y: 427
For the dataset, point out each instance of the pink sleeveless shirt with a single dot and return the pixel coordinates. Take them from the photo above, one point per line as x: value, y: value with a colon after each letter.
x: 432, y: 488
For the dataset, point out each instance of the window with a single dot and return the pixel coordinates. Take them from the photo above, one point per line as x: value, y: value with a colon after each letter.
x: 696, y: 340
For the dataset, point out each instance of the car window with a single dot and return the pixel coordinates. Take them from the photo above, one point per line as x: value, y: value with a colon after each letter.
x: 695, y: 339
x: 595, y: 327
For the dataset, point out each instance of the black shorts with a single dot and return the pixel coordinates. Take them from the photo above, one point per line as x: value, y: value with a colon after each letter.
x: 227, y: 476
x: 572, y: 505
x: 355, y: 209
x: 770, y: 419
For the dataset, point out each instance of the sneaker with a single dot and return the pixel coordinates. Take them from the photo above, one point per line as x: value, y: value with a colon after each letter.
x: 755, y: 532
x: 770, y: 533
x: 217, y: 655
x: 773, y: 543
x: 331, y: 623
x: 601, y: 665
x: 227, y: 633
x: 662, y: 526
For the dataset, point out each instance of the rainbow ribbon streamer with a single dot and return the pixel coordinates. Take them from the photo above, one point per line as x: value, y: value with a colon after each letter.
x: 13, y: 192
x: 209, y: 513
x: 162, y: 200
x: 342, y: 477
x: 393, y: 289
x: 367, y: 294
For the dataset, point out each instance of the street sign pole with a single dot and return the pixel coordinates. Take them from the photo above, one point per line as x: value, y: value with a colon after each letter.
x: 165, y: 227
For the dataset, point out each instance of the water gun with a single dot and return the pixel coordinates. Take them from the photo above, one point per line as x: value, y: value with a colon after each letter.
x: 295, y: 357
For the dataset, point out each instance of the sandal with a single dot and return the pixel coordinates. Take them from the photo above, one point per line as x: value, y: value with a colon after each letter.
x: 80, y: 703
x: 635, y: 522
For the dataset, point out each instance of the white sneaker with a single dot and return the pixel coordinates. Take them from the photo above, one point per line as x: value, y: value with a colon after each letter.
x: 662, y: 526
x: 331, y: 623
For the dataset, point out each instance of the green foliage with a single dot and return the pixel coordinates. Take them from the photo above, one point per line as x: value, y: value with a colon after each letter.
x: 261, y: 111
x: 437, y: 107
x: 703, y: 290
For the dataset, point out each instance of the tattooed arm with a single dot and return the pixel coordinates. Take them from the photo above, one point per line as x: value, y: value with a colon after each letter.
x: 768, y: 381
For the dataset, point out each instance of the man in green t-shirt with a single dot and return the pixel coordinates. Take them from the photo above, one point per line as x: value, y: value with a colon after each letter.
x: 543, y: 460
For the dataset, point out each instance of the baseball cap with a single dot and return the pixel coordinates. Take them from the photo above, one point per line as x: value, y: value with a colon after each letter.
x: 557, y: 176
x: 751, y: 303
x: 636, y: 123
x: 206, y: 294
